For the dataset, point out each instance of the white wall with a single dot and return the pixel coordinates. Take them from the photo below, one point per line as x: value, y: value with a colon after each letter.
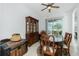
x: 12, y: 19
x: 67, y: 21
x: 42, y: 24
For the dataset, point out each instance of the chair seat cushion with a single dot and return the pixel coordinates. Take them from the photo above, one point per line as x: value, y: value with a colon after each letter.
x: 50, y: 49
x: 65, y: 46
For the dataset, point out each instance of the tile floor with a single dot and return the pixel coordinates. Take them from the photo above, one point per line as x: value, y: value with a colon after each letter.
x: 74, y: 49
x: 32, y: 51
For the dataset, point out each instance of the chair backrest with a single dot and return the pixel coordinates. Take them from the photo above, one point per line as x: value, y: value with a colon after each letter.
x: 44, y: 37
x: 68, y: 38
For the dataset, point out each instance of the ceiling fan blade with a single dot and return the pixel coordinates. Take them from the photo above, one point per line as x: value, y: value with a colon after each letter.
x: 44, y: 9
x: 55, y: 6
x: 43, y: 4
x: 51, y: 4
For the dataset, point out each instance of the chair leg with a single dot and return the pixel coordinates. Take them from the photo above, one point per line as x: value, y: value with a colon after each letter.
x: 69, y: 52
x: 42, y: 52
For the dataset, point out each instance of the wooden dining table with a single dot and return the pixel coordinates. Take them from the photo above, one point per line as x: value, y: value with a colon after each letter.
x: 58, y: 40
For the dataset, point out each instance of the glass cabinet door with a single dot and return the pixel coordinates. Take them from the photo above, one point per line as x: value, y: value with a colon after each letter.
x: 31, y: 25
x: 27, y: 27
x: 34, y: 27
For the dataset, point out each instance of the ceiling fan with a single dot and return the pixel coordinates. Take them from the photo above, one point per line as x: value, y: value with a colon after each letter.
x: 49, y: 6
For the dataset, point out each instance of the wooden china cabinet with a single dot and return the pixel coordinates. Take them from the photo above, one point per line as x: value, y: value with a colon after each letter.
x: 32, y: 34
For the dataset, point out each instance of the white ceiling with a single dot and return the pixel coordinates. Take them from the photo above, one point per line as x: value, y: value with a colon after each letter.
x: 64, y: 7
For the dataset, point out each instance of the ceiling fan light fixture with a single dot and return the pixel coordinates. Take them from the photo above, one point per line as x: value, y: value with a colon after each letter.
x: 49, y: 8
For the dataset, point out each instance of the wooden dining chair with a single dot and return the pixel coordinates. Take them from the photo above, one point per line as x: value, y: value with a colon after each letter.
x: 67, y: 41
x: 46, y: 49
x: 43, y: 40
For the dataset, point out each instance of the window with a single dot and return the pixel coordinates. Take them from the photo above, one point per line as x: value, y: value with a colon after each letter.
x: 54, y: 26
